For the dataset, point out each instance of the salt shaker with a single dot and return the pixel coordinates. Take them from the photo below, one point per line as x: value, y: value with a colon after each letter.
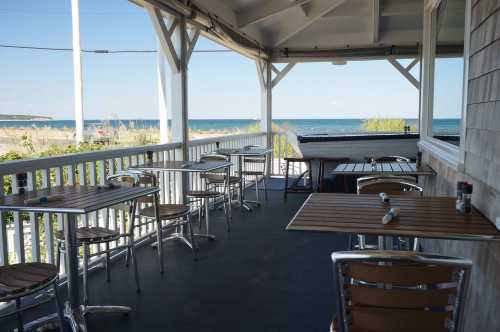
x: 419, y: 159
x: 467, y: 198
x: 459, y: 205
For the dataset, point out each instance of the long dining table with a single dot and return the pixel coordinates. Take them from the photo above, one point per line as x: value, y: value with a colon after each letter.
x: 423, y: 217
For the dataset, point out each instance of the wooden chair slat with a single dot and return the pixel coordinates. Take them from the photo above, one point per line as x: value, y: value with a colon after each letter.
x: 401, y: 298
x: 401, y: 320
x: 405, y: 275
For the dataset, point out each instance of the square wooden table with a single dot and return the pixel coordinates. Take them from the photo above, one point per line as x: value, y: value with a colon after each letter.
x: 75, y: 200
x: 383, y: 168
x: 423, y: 217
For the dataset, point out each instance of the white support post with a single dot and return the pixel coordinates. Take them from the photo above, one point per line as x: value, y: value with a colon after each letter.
x: 177, y: 46
x: 266, y: 102
x: 77, y: 71
x: 162, y: 95
x: 267, y: 82
x: 405, y: 71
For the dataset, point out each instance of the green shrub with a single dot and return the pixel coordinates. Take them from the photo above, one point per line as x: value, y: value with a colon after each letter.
x: 385, y: 125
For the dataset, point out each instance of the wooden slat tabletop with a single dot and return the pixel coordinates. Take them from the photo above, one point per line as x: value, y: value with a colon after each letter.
x: 183, y: 166
x: 383, y: 168
x: 426, y: 217
x: 244, y: 152
x: 76, y: 199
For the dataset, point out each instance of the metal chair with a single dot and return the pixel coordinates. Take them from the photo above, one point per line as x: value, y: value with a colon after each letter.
x: 21, y: 280
x: 88, y: 236
x: 166, y: 216
x: 259, y: 170
x: 307, y: 176
x: 381, y: 291
x: 211, y: 191
x: 388, y: 159
x: 217, y: 179
x: 391, y: 185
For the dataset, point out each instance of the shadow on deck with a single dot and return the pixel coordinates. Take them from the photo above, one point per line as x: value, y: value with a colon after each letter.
x: 256, y: 278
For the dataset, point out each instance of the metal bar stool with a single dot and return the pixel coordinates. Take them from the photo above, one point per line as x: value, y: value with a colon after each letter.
x: 87, y: 236
x: 166, y: 216
x: 258, y: 162
x: 20, y: 280
x: 217, y: 179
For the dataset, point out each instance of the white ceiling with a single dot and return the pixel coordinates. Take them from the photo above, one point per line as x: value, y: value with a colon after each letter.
x: 329, y: 24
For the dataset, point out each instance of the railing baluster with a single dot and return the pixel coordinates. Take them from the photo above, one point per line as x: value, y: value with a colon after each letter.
x: 47, y: 219
x: 59, y: 181
x: 18, y: 226
x: 4, y: 248
x: 33, y: 221
x: 92, y: 182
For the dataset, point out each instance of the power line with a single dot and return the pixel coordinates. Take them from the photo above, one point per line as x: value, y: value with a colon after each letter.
x: 102, y: 51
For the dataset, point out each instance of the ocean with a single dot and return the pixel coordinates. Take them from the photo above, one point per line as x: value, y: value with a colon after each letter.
x: 301, y: 126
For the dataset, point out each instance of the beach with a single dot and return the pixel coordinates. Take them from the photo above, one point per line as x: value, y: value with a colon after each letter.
x: 34, y: 137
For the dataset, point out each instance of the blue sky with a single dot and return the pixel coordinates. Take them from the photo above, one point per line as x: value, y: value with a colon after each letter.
x: 222, y: 85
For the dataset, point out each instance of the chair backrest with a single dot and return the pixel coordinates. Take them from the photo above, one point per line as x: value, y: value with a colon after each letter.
x: 404, y: 291
x: 397, y: 159
x: 214, y: 157
x: 390, y: 185
x: 132, y: 178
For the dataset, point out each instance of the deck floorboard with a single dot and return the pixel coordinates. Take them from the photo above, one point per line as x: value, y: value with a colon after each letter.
x: 257, y: 278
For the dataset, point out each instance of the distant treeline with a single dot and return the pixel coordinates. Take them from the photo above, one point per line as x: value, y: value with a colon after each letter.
x: 23, y: 117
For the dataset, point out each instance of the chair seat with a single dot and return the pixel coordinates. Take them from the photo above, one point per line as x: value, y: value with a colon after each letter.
x: 92, y: 235
x: 203, y: 193
x: 255, y: 173
x: 17, y: 279
x: 216, y: 179
x: 167, y: 211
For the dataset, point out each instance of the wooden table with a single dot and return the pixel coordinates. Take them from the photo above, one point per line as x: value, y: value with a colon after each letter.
x: 76, y: 200
x: 240, y: 153
x: 424, y: 217
x: 383, y: 168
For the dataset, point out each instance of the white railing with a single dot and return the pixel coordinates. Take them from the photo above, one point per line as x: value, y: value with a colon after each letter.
x: 30, y: 236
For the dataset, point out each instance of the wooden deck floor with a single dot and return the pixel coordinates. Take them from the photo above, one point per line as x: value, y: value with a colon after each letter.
x: 256, y: 278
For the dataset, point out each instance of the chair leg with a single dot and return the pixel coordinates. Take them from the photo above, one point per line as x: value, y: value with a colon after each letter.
x: 207, y: 220
x: 20, y: 324
x: 136, y: 268
x: 85, y: 274
x: 286, y: 180
x: 257, y: 188
x: 159, y: 243
x: 227, y: 214
x: 416, y: 244
x: 58, y: 256
x: 265, y: 187
x: 59, y: 311
x: 192, y: 238
x: 108, y: 260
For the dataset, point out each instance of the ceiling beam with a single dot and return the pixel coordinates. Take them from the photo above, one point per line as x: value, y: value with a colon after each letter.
x: 292, y: 27
x: 260, y: 13
x: 375, y: 4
